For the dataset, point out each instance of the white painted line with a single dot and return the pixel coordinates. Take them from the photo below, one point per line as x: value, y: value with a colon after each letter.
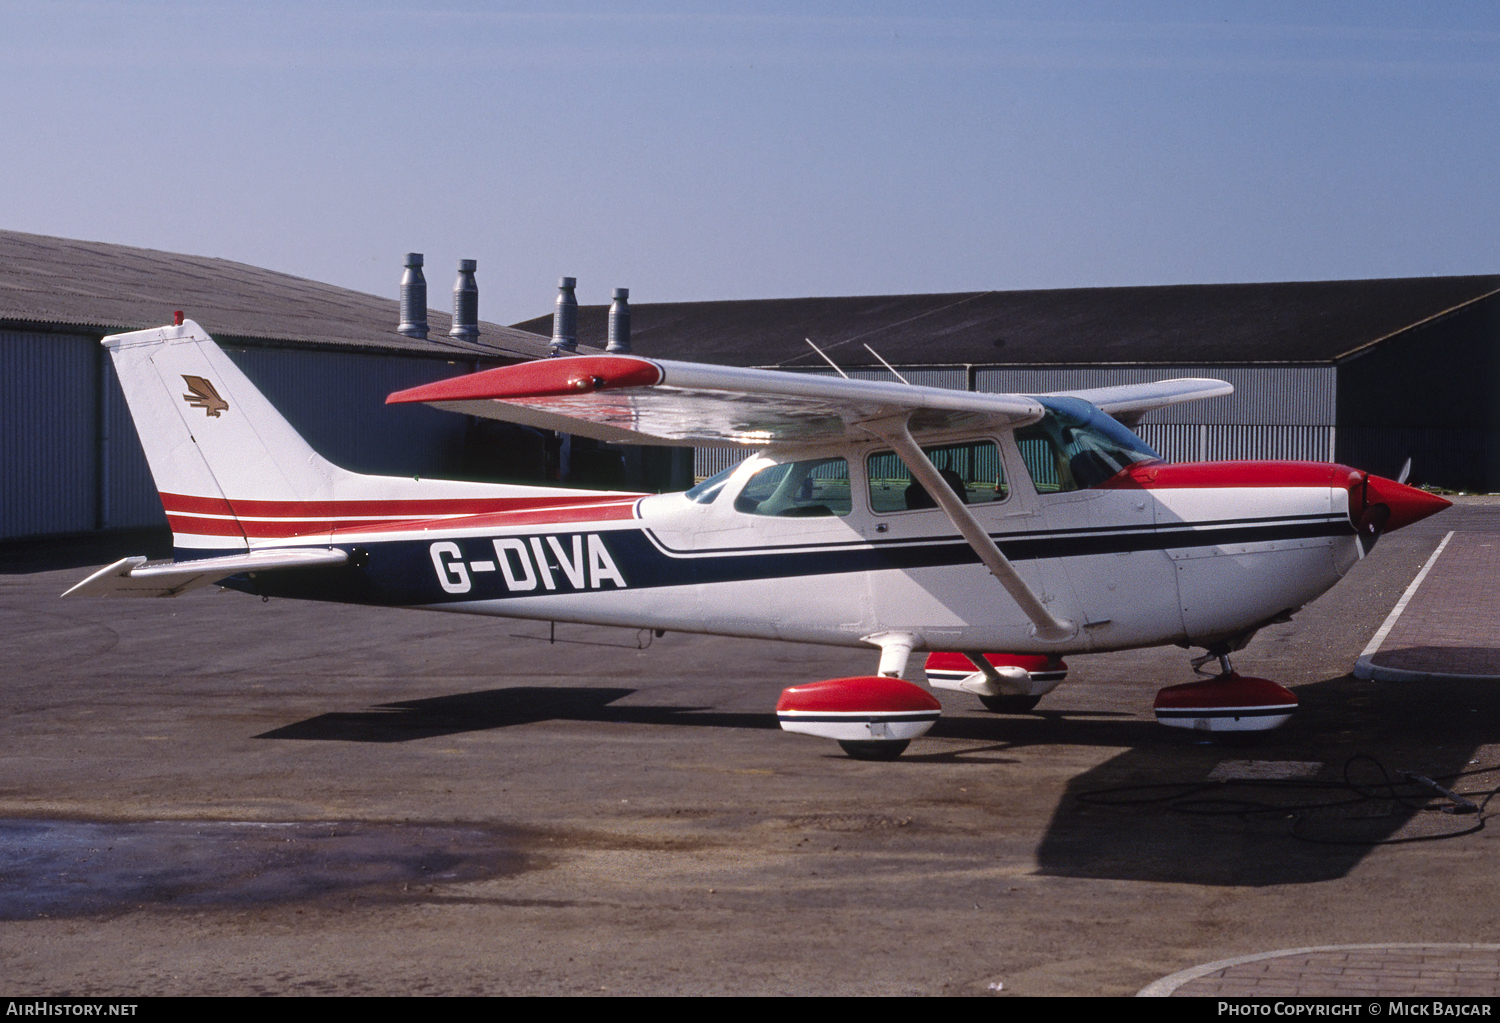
x: 1167, y: 985
x: 1411, y: 591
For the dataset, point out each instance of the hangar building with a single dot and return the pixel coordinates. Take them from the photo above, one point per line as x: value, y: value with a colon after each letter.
x: 1367, y: 373
x: 1363, y: 372
x: 70, y: 461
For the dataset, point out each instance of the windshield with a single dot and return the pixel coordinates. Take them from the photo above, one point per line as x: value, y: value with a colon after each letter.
x: 1075, y: 446
x: 705, y: 492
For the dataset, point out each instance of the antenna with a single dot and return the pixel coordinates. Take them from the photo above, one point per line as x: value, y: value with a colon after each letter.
x: 888, y: 366
x: 827, y: 359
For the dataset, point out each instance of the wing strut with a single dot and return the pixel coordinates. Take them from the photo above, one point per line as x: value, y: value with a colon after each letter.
x: 1045, y: 625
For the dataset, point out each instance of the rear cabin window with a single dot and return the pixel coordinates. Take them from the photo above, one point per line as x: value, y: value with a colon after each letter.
x: 1075, y: 447
x: 971, y: 468
x: 806, y: 489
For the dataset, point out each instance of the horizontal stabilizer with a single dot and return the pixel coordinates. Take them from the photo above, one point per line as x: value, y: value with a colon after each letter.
x: 133, y: 577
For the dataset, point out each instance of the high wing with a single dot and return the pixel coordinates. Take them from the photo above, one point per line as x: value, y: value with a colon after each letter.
x: 657, y: 401
x: 134, y: 577
x: 1128, y: 402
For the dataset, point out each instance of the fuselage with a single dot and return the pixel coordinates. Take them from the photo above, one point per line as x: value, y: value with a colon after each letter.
x: 1154, y: 554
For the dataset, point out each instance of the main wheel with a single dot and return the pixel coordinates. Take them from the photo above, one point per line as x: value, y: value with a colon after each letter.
x: 1010, y: 704
x: 874, y: 749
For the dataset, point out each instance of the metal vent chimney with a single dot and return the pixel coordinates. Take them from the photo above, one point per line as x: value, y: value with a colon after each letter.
x: 565, y: 317
x: 465, y: 303
x: 619, y: 323
x: 413, y: 298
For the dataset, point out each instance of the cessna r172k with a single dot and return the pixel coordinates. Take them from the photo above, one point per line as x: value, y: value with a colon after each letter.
x: 894, y: 516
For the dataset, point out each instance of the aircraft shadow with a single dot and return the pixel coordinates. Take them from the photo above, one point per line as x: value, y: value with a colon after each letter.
x: 407, y: 720
x: 501, y: 708
x: 1153, y: 814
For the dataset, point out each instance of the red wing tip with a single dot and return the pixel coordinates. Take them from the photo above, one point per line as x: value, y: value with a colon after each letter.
x: 543, y: 378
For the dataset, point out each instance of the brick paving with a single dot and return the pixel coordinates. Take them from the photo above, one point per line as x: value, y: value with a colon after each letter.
x: 1451, y: 626
x: 1357, y: 971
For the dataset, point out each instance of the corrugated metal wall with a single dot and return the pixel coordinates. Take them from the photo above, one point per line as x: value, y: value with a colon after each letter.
x: 129, y: 494
x: 48, y: 432
x: 336, y: 400
x: 71, y: 461
x: 1275, y: 411
x: 1263, y: 395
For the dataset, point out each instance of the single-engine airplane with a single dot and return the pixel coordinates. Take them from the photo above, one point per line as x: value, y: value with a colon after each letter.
x: 871, y: 513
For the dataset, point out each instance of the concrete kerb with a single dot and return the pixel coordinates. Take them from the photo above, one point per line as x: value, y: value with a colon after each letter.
x: 1167, y: 986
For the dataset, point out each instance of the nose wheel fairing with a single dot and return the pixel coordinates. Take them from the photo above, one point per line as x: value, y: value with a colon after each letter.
x: 1230, y: 702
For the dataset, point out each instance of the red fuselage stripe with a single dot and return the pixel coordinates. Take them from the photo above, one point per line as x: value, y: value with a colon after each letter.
x: 1190, y: 475
x: 205, y: 525
x: 376, y: 511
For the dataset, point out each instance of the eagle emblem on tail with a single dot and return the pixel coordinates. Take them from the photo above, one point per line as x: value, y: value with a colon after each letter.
x: 204, y: 396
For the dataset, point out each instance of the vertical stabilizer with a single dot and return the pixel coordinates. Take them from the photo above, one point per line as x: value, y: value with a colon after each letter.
x: 208, y: 431
x: 234, y: 474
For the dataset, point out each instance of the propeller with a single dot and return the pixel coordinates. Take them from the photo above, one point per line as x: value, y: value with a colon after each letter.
x: 1371, y: 524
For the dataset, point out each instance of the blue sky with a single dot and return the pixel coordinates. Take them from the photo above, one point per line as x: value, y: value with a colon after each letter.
x: 711, y: 151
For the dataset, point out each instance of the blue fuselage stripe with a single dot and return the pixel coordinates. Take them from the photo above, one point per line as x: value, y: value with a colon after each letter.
x: 406, y: 571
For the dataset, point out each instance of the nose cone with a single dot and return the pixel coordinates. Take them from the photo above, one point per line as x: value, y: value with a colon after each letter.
x: 1407, y: 504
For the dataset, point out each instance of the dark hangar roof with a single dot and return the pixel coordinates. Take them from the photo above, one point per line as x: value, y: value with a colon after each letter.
x: 45, y: 280
x: 1299, y: 322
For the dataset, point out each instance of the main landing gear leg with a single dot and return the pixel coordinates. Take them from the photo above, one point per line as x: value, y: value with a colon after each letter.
x: 895, y: 651
x: 1228, y: 705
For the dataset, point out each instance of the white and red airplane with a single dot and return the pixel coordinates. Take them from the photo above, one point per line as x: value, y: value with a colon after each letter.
x: 875, y: 514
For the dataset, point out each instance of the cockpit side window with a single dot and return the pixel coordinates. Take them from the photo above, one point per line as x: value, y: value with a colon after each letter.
x: 1075, y: 447
x: 804, y: 489
x: 971, y: 468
